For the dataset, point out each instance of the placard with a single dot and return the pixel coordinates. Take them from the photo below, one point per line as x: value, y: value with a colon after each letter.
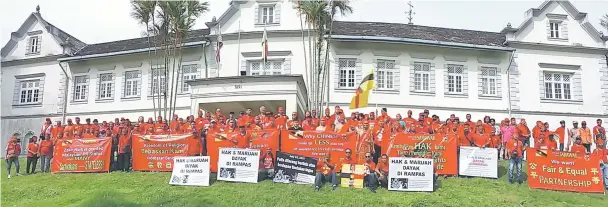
x: 566, y: 171
x: 82, y: 155
x: 352, y: 176
x: 478, y: 162
x: 259, y: 139
x: 156, y: 152
x: 238, y: 165
x: 410, y: 174
x: 292, y: 168
x: 192, y: 171
x: 317, y: 143
x: 443, y: 148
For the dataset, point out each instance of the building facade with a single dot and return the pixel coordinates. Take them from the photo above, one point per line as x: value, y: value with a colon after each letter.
x: 551, y: 67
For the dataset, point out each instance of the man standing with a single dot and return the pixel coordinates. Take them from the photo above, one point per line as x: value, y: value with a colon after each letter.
x: 515, y: 155
x: 266, y: 165
x: 124, y: 150
x: 561, y: 132
x: 507, y: 132
x: 573, y: 133
x: 586, y: 136
x: 599, y: 133
x: 325, y: 172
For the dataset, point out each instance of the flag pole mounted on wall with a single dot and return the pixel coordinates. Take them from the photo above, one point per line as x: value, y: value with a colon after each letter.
x: 264, y: 48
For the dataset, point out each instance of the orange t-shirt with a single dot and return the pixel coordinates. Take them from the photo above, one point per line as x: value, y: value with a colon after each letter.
x: 382, y: 167
x: 515, y: 145
x: 602, y: 154
x: 56, y: 131
x: 372, y: 165
x: 123, y: 141
x: 342, y: 162
x: 561, y: 132
x: 323, y: 168
x: 32, y: 147
x: 495, y: 141
x: 46, y: 147
x: 577, y: 148
x: 422, y: 129
x: 523, y: 131
x: 480, y: 139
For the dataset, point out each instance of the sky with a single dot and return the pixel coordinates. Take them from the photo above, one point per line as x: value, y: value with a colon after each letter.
x: 96, y: 21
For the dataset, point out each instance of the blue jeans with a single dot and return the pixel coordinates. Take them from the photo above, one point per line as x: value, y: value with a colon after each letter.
x: 45, y: 163
x: 515, y: 163
x: 320, y: 178
x: 604, y: 168
x: 372, y: 181
x: 10, y: 162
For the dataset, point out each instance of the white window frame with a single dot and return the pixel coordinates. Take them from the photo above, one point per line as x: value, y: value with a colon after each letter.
x: 189, y: 72
x: 455, y: 75
x: 131, y: 84
x: 266, y: 14
x: 555, y: 29
x: 347, y: 68
x: 81, y: 88
x: 29, y: 91
x: 556, y: 85
x: 105, y: 86
x: 272, y: 67
x: 422, y: 76
x: 489, y: 82
x: 155, y: 80
x: 33, y: 44
x: 385, y: 72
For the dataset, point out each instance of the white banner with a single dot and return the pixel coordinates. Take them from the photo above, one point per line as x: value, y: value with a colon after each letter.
x: 238, y: 165
x: 478, y: 162
x: 192, y: 171
x: 410, y: 174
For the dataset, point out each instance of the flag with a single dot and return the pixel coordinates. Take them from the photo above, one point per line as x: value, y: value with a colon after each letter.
x: 219, y: 45
x: 264, y: 46
x: 361, y: 97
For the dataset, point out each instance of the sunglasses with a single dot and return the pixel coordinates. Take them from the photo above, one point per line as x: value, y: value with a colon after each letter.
x: 348, y: 152
x: 368, y: 156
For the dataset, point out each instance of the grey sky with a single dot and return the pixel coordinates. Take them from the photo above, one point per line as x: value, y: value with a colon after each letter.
x: 94, y: 21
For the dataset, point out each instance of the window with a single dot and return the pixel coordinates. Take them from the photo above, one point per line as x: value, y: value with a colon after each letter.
x: 422, y: 73
x: 190, y: 72
x: 347, y: 73
x: 557, y: 86
x: 81, y: 88
x: 158, y: 77
x: 554, y: 27
x: 33, y: 45
x: 274, y: 67
x: 132, y: 83
x: 385, y: 71
x: 488, y: 81
x: 105, y: 85
x: 29, y: 92
x: 455, y: 76
x: 266, y: 15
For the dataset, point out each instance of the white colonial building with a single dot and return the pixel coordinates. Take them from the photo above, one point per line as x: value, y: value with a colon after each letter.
x: 552, y: 67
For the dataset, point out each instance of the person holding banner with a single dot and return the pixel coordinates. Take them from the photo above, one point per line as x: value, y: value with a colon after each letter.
x: 266, y: 165
x: 370, y: 172
x: 515, y: 149
x: 325, y: 173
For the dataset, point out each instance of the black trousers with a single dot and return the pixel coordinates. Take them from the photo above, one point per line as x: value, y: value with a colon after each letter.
x: 31, y: 161
x: 378, y: 151
x: 124, y: 159
x: 113, y: 161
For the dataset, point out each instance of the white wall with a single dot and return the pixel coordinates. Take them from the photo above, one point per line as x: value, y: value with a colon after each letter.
x: 52, y: 73
x: 48, y: 44
x: 289, y: 20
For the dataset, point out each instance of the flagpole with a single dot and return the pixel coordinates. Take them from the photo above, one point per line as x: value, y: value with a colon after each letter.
x: 219, y: 64
x: 375, y: 87
x: 238, y: 53
x: 265, y: 39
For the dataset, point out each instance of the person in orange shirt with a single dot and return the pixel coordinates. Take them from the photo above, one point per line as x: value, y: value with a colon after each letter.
x: 69, y: 129
x: 561, y: 133
x: 58, y: 129
x: 466, y: 136
x: 124, y: 150
x: 523, y: 132
x: 348, y: 159
x: 354, y: 119
x: 45, y: 151
x: 88, y: 134
x: 382, y: 170
x: 469, y: 122
x: 325, y: 173
x: 548, y: 143
x: 409, y: 121
x: 32, y: 155
x: 323, y: 125
x: 602, y: 153
x: 78, y: 127
x: 577, y: 147
x: 436, y: 125
x: 427, y: 118
x: 421, y: 127
x: 536, y: 130
x: 586, y: 137
x: 495, y: 141
x: 515, y: 150
x: 308, y: 124
x: 480, y: 138
x: 370, y: 172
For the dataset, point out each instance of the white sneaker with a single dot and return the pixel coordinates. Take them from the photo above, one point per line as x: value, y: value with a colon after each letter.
x: 18, y: 174
x: 9, y: 176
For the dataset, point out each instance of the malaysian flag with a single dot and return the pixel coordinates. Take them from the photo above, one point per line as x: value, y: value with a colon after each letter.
x: 219, y: 45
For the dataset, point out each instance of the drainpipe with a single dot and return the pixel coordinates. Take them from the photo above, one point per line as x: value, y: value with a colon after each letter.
x: 509, y: 83
x: 65, y: 93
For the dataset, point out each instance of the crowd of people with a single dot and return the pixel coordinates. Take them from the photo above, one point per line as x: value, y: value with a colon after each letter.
x: 510, y: 136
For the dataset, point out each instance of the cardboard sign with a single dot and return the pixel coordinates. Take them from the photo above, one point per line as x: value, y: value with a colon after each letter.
x: 82, y: 155
x: 410, y: 174
x: 442, y: 148
x: 297, y: 169
x: 156, y: 152
x: 352, y: 176
x: 238, y: 165
x: 192, y: 171
x: 317, y: 143
x: 566, y: 171
x: 478, y: 162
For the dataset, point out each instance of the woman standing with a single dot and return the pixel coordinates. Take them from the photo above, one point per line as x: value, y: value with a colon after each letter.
x: 13, y: 150
x: 32, y: 155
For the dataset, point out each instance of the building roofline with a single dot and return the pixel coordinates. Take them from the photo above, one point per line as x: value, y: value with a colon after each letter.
x: 126, y: 52
x: 420, y: 42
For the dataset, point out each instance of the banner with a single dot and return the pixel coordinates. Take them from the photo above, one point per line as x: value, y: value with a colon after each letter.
x: 478, y: 162
x: 440, y: 147
x: 264, y: 139
x: 566, y: 171
x: 410, y: 174
x: 156, y: 152
x: 238, y: 165
x: 297, y: 169
x: 352, y: 176
x: 82, y: 155
x: 317, y: 143
x: 258, y: 139
x: 193, y: 171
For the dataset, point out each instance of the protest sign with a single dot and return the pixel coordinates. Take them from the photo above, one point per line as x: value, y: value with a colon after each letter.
x: 410, y: 174
x: 292, y: 168
x: 193, y: 171
x: 317, y: 143
x: 238, y: 165
x: 156, y: 152
x: 257, y: 139
x: 352, y: 176
x: 478, y: 162
x: 443, y: 148
x: 82, y: 155
x: 566, y: 171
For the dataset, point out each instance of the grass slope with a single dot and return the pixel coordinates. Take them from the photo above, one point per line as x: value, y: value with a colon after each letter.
x: 152, y: 189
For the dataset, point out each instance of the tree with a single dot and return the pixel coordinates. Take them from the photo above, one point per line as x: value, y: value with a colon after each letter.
x: 604, y: 22
x: 169, y: 22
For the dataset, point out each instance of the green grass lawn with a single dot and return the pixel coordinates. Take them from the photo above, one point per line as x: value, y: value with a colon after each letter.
x: 152, y: 189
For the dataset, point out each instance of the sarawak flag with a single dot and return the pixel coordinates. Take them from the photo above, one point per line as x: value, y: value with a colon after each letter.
x: 361, y: 97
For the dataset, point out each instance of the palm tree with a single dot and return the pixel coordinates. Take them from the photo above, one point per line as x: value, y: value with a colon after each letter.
x: 604, y: 22
x: 143, y: 11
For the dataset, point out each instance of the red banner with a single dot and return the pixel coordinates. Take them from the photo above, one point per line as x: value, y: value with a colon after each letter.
x: 566, y: 171
x: 317, y: 143
x: 82, y: 155
x: 156, y: 152
x: 443, y: 149
x: 264, y: 139
x: 258, y: 139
